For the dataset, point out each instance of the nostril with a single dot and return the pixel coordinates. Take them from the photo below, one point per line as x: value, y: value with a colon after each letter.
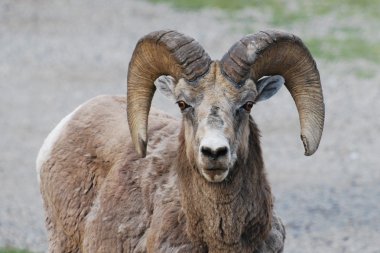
x: 214, y: 154
x: 222, y: 151
x: 206, y: 151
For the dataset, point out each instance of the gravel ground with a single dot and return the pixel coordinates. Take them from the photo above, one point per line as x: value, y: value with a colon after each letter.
x: 54, y: 55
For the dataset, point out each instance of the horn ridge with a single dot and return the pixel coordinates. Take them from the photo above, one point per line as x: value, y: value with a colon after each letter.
x: 164, y: 52
x: 279, y: 53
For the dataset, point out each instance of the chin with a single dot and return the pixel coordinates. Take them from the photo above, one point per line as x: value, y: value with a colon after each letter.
x: 215, y: 175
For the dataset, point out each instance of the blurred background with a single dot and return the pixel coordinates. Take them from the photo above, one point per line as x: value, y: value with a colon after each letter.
x: 55, y: 55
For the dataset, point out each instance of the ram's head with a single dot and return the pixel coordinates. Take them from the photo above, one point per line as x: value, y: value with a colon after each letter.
x: 216, y: 97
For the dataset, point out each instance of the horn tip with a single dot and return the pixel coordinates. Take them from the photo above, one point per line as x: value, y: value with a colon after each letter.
x: 141, y: 147
x: 309, y: 148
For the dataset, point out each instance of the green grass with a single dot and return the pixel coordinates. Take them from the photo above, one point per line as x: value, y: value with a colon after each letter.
x: 284, y: 13
x: 13, y: 250
x: 365, y: 74
x: 345, y: 41
x: 332, y: 48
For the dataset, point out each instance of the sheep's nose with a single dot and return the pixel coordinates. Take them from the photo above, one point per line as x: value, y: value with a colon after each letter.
x: 215, y: 153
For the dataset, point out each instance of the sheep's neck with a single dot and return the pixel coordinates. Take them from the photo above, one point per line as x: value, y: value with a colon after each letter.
x: 227, y: 217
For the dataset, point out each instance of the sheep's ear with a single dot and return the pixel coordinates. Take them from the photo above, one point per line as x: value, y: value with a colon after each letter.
x: 165, y: 85
x: 268, y: 86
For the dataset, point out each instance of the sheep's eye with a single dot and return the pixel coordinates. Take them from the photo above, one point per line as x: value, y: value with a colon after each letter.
x: 182, y: 105
x: 248, y: 106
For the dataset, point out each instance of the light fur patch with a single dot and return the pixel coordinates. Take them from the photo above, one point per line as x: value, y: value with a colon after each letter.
x: 214, y: 139
x: 45, y: 151
x: 92, y: 215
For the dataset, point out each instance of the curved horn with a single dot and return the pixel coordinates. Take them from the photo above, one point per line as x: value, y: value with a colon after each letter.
x: 159, y: 53
x: 279, y: 53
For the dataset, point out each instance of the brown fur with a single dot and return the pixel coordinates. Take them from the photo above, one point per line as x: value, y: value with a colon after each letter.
x: 100, y: 197
x: 233, y: 216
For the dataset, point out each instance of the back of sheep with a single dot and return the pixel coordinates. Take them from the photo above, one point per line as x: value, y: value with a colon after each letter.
x: 73, y: 163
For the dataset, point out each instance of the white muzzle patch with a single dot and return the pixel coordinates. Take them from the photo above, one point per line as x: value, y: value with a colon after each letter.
x: 214, y: 156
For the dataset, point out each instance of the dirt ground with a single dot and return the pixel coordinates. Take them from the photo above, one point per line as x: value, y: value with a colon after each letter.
x: 54, y: 55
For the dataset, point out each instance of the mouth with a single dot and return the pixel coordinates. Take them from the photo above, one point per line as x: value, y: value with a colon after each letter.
x: 215, y: 175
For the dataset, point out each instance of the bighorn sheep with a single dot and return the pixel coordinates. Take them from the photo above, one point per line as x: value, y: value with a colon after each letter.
x: 198, y: 185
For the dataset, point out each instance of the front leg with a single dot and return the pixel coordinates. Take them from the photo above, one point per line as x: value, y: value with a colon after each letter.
x: 276, y: 238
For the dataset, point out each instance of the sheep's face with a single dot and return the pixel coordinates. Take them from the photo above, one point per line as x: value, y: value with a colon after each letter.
x: 215, y: 119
